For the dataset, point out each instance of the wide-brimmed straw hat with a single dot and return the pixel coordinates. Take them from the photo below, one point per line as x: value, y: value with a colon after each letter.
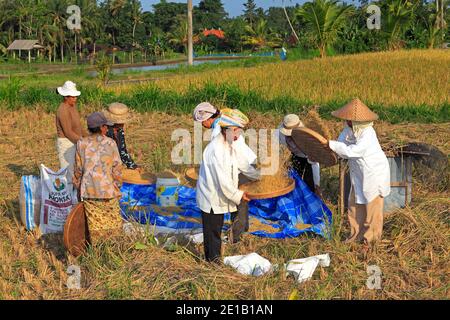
x: 355, y: 110
x: 290, y: 122
x: 69, y: 89
x: 117, y: 113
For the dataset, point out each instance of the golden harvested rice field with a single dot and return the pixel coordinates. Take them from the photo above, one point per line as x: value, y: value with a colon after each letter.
x: 413, y: 257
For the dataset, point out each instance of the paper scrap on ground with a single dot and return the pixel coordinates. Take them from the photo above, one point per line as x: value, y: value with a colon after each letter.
x: 196, y: 238
x: 303, y: 269
x: 250, y: 264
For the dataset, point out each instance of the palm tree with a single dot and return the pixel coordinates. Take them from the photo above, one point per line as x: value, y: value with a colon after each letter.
x: 399, y: 17
x: 57, y: 13
x: 260, y: 36
x: 324, y: 18
x: 178, y: 36
x: 136, y: 17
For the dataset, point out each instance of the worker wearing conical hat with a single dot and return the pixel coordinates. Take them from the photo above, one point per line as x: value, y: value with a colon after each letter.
x: 217, y: 185
x: 369, y: 170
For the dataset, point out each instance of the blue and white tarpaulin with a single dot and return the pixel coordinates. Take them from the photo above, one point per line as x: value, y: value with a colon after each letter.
x: 301, y: 206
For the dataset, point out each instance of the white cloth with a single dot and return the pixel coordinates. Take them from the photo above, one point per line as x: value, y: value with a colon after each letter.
x: 369, y: 167
x: 245, y: 152
x: 315, y: 166
x: 303, y: 269
x: 217, y: 185
x: 251, y: 264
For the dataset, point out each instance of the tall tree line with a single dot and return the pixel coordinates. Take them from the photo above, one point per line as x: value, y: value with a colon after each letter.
x: 122, y: 25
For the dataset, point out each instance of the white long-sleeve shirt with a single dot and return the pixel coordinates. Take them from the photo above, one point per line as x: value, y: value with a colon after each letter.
x: 369, y: 167
x: 315, y: 166
x: 217, y: 185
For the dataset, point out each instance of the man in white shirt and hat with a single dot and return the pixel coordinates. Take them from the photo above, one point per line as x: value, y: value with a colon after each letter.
x: 209, y: 116
x: 308, y: 170
x: 217, y: 185
x: 369, y: 170
x: 68, y: 127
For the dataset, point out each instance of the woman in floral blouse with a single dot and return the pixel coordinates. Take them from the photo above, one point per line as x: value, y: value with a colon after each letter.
x: 97, y: 176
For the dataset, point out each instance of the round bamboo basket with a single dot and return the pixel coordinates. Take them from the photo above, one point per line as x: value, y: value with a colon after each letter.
x: 314, y: 146
x: 135, y: 177
x: 267, y: 195
x: 76, y: 233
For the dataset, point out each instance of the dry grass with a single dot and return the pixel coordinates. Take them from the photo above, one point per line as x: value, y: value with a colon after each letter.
x: 406, y: 78
x: 414, y: 255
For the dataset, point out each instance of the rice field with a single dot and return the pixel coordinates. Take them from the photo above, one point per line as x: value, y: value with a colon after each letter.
x: 401, y: 78
x: 413, y: 256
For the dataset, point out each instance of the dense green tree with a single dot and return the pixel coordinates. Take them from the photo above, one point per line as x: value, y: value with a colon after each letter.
x: 324, y: 18
x: 250, y: 12
x: 209, y: 14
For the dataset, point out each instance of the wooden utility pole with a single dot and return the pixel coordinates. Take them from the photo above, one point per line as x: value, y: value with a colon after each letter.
x: 190, y: 35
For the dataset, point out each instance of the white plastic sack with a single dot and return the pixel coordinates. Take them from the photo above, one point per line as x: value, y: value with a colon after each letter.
x: 250, y: 264
x: 56, y: 200
x: 30, y: 201
x: 303, y: 269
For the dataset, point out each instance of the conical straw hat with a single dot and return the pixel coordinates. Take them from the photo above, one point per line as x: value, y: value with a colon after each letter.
x: 355, y: 110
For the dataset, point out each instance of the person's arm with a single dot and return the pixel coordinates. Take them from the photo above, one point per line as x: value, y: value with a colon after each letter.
x: 124, y: 154
x: 78, y: 169
x: 225, y: 182
x: 66, y: 125
x: 116, y: 167
x: 352, y: 151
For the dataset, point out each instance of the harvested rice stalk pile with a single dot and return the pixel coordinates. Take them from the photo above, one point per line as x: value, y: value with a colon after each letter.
x: 313, y: 121
x: 269, y: 183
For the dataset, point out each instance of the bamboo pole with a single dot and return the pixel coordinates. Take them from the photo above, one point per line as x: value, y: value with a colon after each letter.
x: 342, y: 168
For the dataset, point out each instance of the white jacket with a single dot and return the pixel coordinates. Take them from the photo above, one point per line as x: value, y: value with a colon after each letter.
x: 217, y: 185
x: 369, y: 167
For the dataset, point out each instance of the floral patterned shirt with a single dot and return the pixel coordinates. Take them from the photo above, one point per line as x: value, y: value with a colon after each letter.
x: 98, y: 168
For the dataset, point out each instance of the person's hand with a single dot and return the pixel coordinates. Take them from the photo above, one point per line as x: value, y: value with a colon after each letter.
x: 245, y: 197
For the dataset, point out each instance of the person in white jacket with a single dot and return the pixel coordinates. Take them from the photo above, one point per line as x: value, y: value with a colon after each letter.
x: 217, y: 185
x: 369, y: 171
x: 209, y: 116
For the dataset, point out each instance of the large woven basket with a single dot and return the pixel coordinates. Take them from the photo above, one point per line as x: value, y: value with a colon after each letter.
x: 76, y: 233
x: 135, y: 177
x: 191, y: 174
x: 314, y: 146
x: 268, y: 195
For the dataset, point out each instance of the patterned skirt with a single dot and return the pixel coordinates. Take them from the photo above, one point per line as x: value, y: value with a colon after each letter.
x: 103, y: 218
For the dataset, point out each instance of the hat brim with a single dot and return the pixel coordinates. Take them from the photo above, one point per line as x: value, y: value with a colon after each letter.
x: 117, y: 119
x: 68, y: 93
x: 286, y: 132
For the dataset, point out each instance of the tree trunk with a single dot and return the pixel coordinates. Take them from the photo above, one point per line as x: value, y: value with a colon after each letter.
x: 290, y: 24
x: 190, y: 48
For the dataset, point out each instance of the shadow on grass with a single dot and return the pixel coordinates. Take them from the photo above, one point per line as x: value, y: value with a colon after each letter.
x: 21, y: 170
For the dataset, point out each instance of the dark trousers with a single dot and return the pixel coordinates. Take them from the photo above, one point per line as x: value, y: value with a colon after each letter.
x: 212, y: 234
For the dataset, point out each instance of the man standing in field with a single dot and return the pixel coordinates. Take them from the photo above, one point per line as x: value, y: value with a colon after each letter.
x: 68, y: 127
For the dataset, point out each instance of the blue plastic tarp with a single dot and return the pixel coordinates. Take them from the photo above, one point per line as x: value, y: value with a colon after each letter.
x: 301, y: 206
